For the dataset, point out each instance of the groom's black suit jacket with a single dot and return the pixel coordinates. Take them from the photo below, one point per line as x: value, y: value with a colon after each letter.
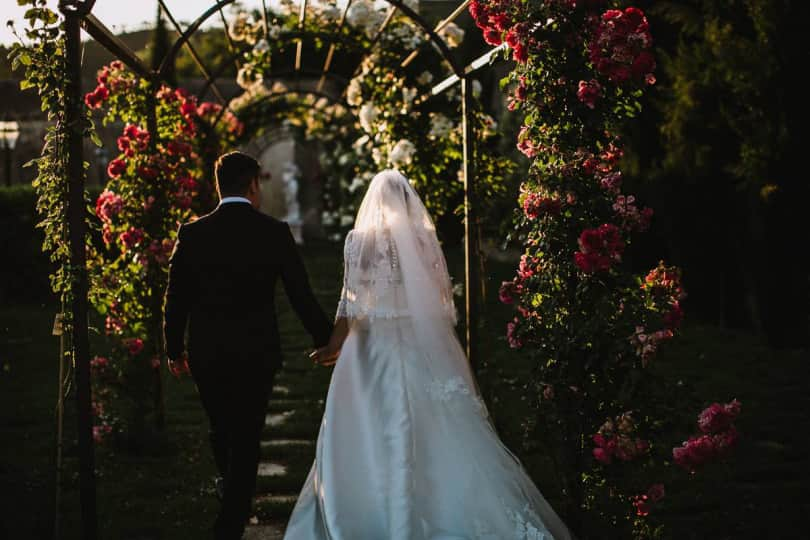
x: 222, y: 281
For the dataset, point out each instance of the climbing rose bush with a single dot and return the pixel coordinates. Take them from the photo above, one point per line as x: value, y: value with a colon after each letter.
x: 718, y: 439
x: 592, y: 326
x: 156, y: 181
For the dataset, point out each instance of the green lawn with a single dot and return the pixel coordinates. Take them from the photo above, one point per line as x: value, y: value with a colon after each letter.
x: 167, y: 494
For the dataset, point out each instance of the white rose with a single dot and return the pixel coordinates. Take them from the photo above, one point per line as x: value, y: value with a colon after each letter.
x: 238, y: 28
x: 356, y: 184
x: 368, y: 115
x: 359, y: 14
x: 378, y: 157
x: 490, y: 126
x: 261, y: 46
x: 330, y: 13
x: 360, y: 143
x: 452, y: 34
x: 402, y: 153
x: 408, y: 95
x: 240, y: 101
x: 247, y: 77
x: 354, y: 93
x: 440, y: 126
x: 273, y: 31
x: 328, y: 218
x: 425, y: 78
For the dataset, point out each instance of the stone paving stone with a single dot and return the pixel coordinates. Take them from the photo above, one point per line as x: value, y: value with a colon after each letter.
x: 276, y: 419
x: 267, y: 468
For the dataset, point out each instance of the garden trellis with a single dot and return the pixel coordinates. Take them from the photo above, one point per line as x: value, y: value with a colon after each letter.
x: 78, y: 15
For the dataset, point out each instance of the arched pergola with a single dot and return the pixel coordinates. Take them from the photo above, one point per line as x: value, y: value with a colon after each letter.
x: 78, y: 15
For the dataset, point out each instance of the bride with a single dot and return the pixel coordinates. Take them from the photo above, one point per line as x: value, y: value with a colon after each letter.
x: 406, y: 449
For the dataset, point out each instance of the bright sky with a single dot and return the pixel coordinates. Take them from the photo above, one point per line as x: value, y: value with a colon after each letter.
x: 119, y: 15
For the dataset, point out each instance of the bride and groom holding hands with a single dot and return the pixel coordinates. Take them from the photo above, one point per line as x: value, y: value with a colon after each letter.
x: 406, y: 449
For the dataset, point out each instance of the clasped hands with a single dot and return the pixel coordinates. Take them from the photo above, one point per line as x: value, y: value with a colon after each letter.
x: 325, y: 356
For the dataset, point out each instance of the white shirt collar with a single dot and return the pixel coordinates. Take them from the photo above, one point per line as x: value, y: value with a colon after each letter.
x: 226, y: 200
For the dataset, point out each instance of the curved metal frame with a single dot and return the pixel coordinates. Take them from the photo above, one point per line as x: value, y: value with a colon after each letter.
x: 297, y: 92
x: 78, y: 14
x: 236, y: 54
x: 398, y: 4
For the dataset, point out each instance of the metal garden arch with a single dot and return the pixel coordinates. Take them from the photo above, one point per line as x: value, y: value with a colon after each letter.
x: 78, y: 15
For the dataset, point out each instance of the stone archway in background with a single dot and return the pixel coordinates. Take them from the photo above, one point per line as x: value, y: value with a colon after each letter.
x: 276, y: 148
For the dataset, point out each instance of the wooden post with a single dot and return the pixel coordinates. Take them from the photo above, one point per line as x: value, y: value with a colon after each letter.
x: 156, y: 323
x: 471, y: 282
x: 60, y: 412
x: 76, y: 209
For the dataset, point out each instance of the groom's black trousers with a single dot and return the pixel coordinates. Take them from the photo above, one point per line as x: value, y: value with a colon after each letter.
x: 234, y: 387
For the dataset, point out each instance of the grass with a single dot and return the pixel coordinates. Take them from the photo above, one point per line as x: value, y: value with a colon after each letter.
x: 167, y: 493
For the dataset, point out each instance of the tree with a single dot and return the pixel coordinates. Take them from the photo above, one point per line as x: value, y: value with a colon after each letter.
x: 730, y: 153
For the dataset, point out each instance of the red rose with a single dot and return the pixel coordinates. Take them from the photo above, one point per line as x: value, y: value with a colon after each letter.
x: 116, y: 168
x: 188, y: 109
x: 493, y: 37
x: 134, y: 345
x: 178, y: 148
x: 131, y: 131
x: 513, y: 38
x: 103, y: 73
x: 131, y: 238
x: 207, y: 108
x: 501, y: 21
x: 94, y: 99
x: 147, y: 173
x: 477, y: 11
x: 602, y: 456
x: 123, y: 143
x: 641, y: 505
x: 520, y: 54
x: 643, y: 64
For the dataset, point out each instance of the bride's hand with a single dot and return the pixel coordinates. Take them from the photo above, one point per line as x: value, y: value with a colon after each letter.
x: 325, y: 356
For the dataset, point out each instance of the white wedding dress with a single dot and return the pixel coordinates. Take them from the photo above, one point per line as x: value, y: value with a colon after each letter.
x: 406, y: 449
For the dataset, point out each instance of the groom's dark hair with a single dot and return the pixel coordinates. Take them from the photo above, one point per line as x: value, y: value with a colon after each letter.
x: 234, y: 172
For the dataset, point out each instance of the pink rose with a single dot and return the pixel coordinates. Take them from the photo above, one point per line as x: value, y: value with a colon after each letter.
x: 514, y: 341
x: 642, y: 506
x: 134, y: 346
x: 507, y: 292
x: 716, y: 417
x: 602, y: 456
x: 588, y: 92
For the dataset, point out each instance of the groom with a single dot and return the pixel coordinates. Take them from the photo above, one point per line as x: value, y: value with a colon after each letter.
x: 222, y: 282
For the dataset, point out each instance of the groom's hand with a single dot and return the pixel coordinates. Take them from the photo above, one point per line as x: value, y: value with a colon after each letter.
x: 325, y: 356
